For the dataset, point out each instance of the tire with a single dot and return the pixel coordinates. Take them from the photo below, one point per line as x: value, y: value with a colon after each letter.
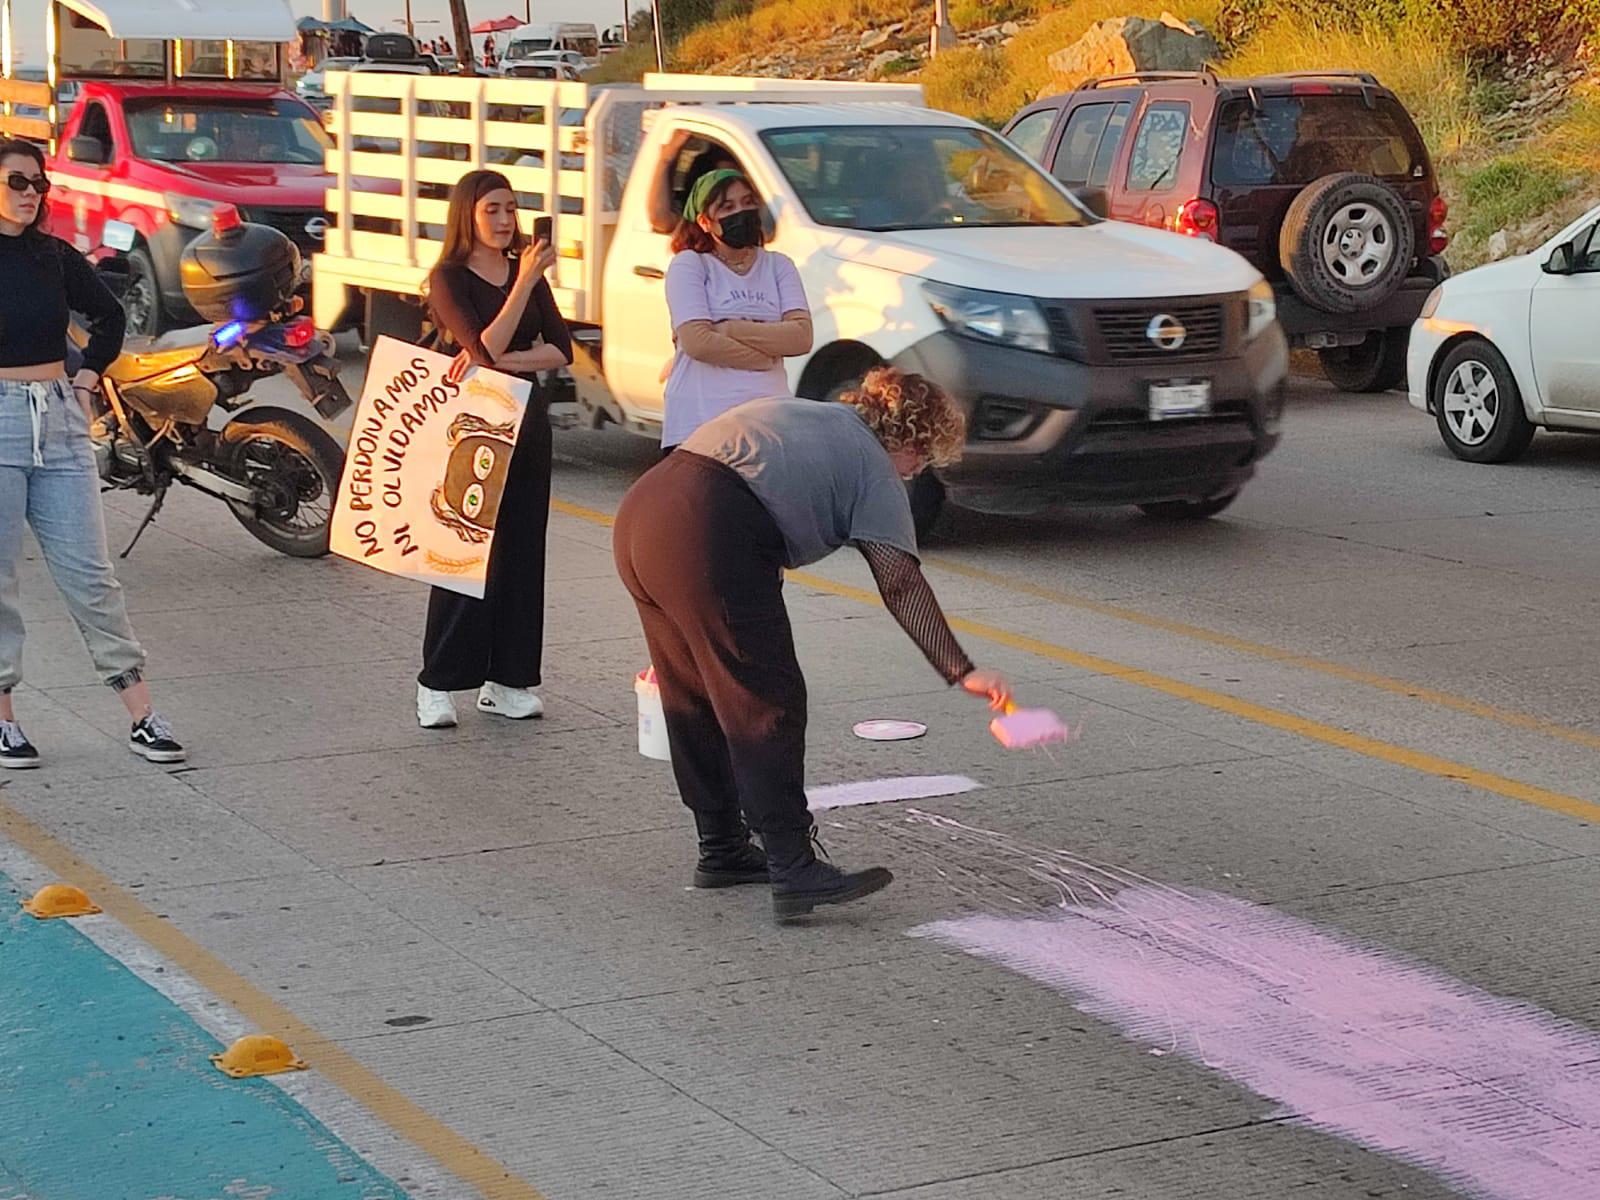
x: 142, y: 301
x: 1478, y: 405
x: 296, y: 459
x: 1188, y: 510
x: 1347, y: 242
x: 1376, y: 365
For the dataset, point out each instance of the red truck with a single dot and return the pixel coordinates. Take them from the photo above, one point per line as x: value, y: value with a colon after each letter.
x: 165, y: 126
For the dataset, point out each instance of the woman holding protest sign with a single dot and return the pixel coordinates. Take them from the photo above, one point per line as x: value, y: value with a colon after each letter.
x: 738, y: 310
x: 491, y: 302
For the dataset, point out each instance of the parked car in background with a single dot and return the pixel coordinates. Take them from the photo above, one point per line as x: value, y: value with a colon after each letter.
x: 1513, y: 346
x: 543, y: 66
x: 1320, y: 180
x: 310, y: 86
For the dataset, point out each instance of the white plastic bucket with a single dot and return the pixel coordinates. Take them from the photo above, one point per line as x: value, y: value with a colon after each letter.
x: 652, y: 720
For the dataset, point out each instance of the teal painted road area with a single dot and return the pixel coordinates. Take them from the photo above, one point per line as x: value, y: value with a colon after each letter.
x: 106, y: 1091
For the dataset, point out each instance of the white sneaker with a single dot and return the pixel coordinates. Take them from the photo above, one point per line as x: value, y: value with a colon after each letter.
x: 435, y: 710
x: 517, y: 703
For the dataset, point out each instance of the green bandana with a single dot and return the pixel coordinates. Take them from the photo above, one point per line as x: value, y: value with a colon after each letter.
x: 696, y: 203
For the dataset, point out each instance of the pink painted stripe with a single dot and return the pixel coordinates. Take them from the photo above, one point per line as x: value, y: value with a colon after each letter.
x: 1496, y: 1096
x: 885, y: 791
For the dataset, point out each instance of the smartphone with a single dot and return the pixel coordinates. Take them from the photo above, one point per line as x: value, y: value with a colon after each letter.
x: 541, y: 229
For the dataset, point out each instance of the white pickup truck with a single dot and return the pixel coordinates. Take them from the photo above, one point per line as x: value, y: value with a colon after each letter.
x: 1098, y: 362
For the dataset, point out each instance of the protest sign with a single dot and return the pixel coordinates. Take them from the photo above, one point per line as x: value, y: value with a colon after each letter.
x: 426, y: 467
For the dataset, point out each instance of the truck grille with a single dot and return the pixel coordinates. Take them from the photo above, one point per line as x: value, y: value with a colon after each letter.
x: 1125, y: 332
x: 291, y: 222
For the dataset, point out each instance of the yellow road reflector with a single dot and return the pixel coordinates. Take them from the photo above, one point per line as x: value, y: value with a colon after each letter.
x: 59, y: 900
x: 257, y: 1054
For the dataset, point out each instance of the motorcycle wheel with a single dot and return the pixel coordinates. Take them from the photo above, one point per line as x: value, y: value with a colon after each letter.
x: 298, y: 465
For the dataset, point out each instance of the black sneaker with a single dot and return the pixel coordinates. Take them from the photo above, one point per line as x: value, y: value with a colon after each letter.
x: 16, y: 751
x: 152, y: 738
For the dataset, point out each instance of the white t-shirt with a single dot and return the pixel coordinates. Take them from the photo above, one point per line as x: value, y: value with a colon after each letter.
x: 700, y: 287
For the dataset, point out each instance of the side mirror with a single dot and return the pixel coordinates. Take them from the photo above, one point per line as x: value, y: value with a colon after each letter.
x: 1094, y: 199
x: 1561, y: 260
x: 86, y: 150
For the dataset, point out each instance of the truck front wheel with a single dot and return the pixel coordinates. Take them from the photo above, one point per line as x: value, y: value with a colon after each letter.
x: 142, y: 301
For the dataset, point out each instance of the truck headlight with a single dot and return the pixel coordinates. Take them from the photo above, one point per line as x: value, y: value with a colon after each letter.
x: 189, y: 210
x: 1263, y: 309
x: 996, y: 317
x: 1431, y: 304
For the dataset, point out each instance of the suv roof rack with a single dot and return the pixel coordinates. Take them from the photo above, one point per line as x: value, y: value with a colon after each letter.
x: 1366, y: 77
x: 1146, y: 76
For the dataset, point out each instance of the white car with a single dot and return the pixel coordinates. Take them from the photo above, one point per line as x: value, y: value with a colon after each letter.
x: 1512, y: 346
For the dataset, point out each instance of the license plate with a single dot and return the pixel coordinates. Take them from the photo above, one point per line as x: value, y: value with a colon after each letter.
x: 1169, y: 400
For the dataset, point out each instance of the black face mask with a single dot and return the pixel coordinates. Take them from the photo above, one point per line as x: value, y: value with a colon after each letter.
x: 740, y: 230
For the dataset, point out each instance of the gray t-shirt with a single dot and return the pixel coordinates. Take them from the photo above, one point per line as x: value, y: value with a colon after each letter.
x: 818, y: 469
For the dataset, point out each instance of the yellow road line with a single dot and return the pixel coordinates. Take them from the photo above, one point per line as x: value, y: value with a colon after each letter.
x: 1321, y: 666
x: 452, y: 1151
x: 1260, y: 714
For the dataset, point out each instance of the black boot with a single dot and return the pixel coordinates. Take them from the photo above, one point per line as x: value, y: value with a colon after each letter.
x: 801, y: 881
x: 727, y: 855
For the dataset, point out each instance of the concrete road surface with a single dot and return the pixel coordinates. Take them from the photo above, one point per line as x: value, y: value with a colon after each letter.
x: 1308, y: 911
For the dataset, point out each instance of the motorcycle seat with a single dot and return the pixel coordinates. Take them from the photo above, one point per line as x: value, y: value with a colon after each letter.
x: 143, y: 357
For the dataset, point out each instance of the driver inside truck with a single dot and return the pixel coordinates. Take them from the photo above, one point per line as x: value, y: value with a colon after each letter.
x: 670, y: 187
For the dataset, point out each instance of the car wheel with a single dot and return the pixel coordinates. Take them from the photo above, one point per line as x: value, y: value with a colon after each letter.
x: 1479, y: 406
x: 1347, y: 242
x: 142, y: 300
x: 1188, y: 510
x: 1375, y: 365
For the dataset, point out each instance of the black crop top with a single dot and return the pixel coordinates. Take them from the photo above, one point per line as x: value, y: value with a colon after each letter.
x: 42, y: 281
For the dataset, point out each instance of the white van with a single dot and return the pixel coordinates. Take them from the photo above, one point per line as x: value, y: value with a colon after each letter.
x: 529, y: 41
x: 1098, y: 362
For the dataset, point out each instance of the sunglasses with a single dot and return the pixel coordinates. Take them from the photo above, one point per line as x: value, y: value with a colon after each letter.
x: 18, y: 182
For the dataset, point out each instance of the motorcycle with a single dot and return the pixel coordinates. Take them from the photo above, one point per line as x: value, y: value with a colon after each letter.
x: 276, y: 470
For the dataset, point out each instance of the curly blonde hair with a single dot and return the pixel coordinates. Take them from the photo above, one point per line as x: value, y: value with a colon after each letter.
x: 908, y: 412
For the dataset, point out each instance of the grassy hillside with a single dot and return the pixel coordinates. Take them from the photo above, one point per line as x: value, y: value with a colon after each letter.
x: 1518, y: 147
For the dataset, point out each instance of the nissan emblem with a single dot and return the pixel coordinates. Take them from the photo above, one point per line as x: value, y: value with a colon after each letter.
x: 317, y: 228
x: 1166, y: 331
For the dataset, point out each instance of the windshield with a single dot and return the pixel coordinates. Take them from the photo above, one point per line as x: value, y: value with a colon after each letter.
x: 916, y: 177
x: 1298, y: 139
x: 238, y: 131
x: 527, y: 47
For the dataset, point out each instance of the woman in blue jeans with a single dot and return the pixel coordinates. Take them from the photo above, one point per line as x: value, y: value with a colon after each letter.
x: 47, y: 470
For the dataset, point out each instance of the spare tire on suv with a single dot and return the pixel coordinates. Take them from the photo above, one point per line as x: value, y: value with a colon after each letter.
x: 1347, y: 242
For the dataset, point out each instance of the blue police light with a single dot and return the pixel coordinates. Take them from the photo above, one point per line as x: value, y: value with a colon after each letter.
x: 230, y: 333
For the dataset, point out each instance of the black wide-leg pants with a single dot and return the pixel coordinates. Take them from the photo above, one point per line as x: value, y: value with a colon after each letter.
x: 703, y: 560
x: 501, y: 637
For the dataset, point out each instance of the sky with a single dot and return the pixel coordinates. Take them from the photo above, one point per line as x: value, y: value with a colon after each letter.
x: 430, y: 17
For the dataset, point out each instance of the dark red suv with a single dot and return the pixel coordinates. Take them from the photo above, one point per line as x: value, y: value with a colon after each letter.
x: 1320, y: 180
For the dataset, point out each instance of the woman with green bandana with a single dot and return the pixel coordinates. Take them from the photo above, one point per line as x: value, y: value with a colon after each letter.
x: 738, y: 310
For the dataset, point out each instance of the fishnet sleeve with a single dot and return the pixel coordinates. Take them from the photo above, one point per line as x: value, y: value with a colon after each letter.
x: 908, y: 597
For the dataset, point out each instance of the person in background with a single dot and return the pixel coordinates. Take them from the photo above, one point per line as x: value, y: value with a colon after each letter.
x: 737, y: 309
x: 490, y: 300
x: 48, y: 479
x: 701, y: 542
x: 664, y: 214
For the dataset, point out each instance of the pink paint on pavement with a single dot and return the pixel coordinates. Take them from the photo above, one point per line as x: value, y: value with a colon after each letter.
x: 884, y: 791
x: 1499, y: 1097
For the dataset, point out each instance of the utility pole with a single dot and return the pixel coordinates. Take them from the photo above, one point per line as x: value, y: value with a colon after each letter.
x: 661, y: 51
x: 466, y: 61
x: 410, y: 29
x: 944, y: 33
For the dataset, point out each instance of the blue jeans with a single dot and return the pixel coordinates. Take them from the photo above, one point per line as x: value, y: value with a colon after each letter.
x: 48, y: 480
